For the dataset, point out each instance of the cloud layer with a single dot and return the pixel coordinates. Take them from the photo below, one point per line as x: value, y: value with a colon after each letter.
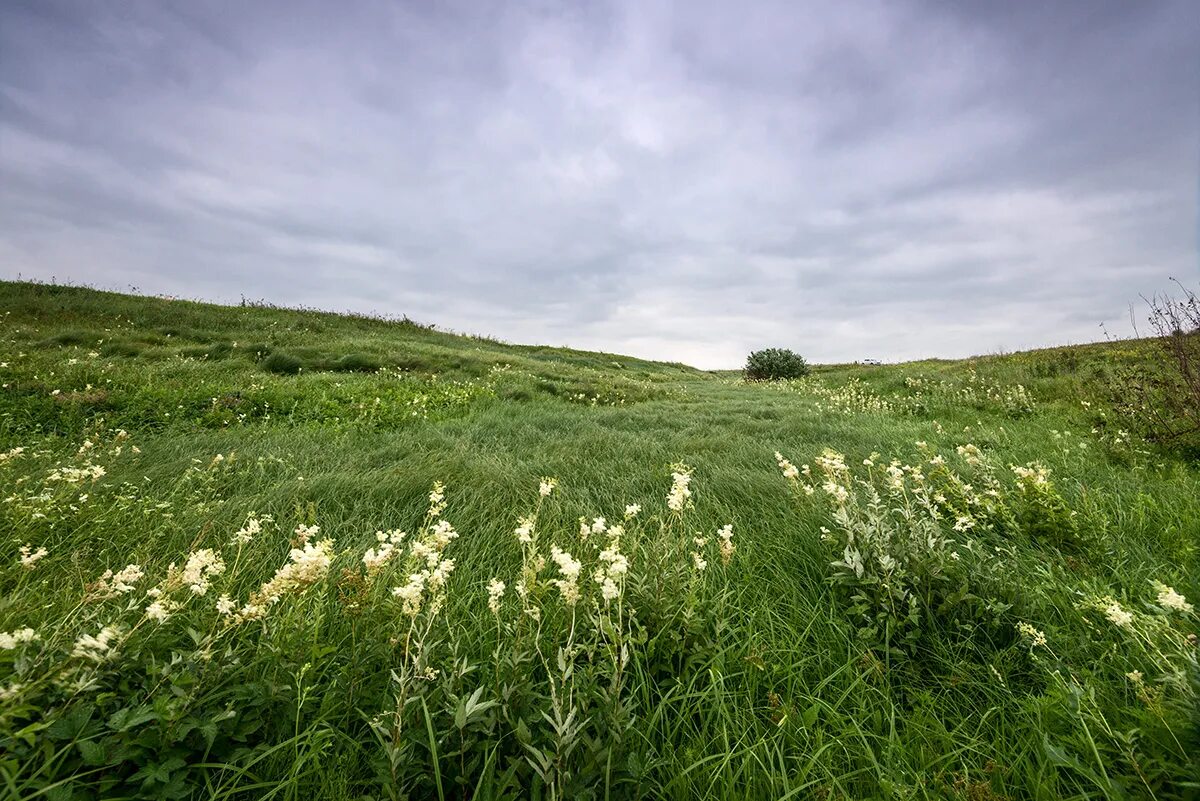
x: 687, y: 182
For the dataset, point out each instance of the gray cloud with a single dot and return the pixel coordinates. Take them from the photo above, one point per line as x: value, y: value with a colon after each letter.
x: 867, y: 179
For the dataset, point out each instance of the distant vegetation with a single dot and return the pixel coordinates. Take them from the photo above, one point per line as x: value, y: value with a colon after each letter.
x: 1160, y: 397
x: 260, y: 553
x: 774, y: 364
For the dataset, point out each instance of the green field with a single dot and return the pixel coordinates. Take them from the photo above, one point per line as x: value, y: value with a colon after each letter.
x: 1001, y: 612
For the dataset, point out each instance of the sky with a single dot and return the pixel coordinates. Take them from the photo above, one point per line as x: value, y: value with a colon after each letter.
x: 678, y: 181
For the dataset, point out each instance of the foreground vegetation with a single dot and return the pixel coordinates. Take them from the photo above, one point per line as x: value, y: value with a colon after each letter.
x: 257, y: 553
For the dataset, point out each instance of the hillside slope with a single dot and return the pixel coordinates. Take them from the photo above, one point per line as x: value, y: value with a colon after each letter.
x: 951, y: 582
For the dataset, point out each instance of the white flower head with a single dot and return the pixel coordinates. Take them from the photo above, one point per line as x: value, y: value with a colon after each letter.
x: 495, y: 589
x: 159, y: 610
x: 725, y: 542
x: 30, y: 557
x: 411, y: 594
x: 1036, y: 637
x: 200, y: 569
x: 1170, y: 600
x: 11, y: 639
x: 1118, y: 616
x: 246, y: 533
x: 437, y: 499
x: 97, y: 648
x: 524, y: 530
x: 569, y: 567
x: 680, y: 495
x: 305, y: 533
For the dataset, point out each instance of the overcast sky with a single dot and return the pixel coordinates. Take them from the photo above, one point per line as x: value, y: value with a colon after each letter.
x: 680, y: 181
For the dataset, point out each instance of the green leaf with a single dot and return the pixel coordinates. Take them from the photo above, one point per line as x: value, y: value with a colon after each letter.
x: 131, y: 717
x: 93, y: 753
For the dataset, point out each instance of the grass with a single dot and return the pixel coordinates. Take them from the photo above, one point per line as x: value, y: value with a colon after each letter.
x: 776, y: 675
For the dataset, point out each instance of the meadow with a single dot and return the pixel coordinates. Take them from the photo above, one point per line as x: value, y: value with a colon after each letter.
x: 260, y: 553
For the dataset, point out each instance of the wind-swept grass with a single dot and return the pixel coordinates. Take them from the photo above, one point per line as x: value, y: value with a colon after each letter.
x: 432, y: 566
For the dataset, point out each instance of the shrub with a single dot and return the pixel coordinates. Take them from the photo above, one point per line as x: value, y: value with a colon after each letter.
x: 282, y: 363
x: 1161, y: 400
x: 773, y: 364
x: 902, y: 573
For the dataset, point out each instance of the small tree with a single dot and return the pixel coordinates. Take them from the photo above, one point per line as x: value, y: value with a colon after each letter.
x: 773, y: 364
x: 1162, y: 396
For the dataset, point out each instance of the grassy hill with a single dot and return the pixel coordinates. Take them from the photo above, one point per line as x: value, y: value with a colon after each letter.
x: 951, y: 583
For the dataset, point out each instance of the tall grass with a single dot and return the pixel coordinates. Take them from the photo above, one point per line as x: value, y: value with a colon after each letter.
x: 943, y: 587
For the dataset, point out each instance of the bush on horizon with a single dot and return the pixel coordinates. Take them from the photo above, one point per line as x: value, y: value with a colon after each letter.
x: 774, y: 364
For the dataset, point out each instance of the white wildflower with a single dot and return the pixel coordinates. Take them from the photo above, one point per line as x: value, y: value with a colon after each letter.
x: 1033, y: 475
x: 441, y: 534
x: 30, y: 557
x: 308, y: 565
x: 836, y: 491
x: 375, y: 559
x: 495, y: 589
x: 411, y: 594
x: 11, y: 454
x: 524, y: 530
x: 680, y: 494
x: 440, y: 573
x: 569, y: 567
x: 305, y: 533
x: 437, y: 499
x: 200, y: 569
x: 547, y: 486
x: 789, y: 470
x: 632, y: 510
x: 1117, y: 615
x: 1035, y: 637
x: 123, y: 580
x: 96, y: 648
x: 159, y: 610
x: 725, y: 542
x: 11, y: 639
x: 111, y: 584
x: 246, y: 533
x: 1170, y: 600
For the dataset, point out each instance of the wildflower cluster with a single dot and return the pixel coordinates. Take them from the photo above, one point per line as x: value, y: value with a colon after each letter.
x: 680, y: 496
x: 976, y: 390
x: 111, y: 584
x: 30, y: 557
x: 308, y: 564
x: 11, y: 639
x: 426, y: 569
x: 892, y: 552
